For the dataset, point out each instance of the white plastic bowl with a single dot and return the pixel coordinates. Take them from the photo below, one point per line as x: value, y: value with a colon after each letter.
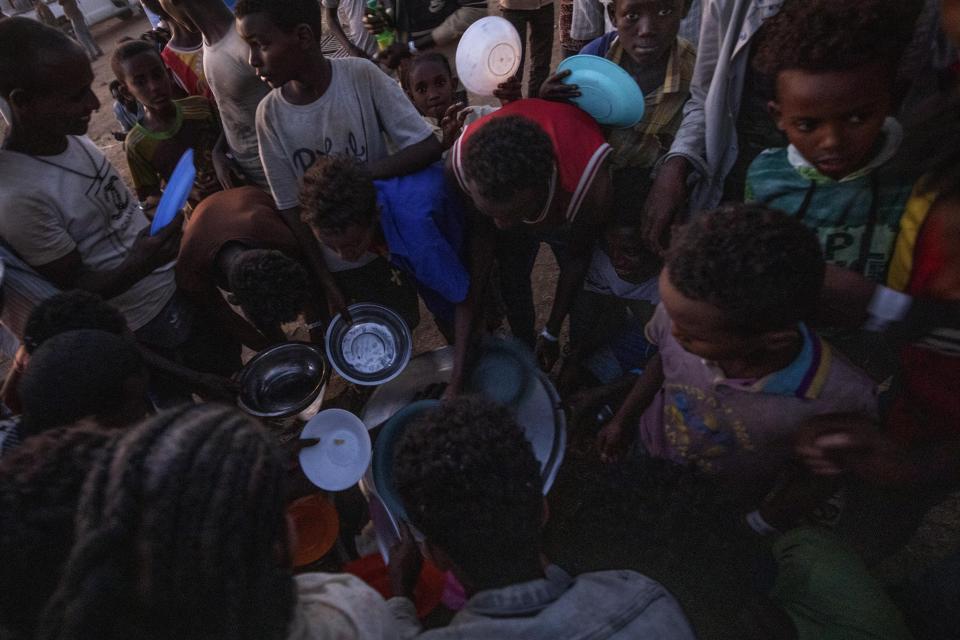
x: 488, y: 54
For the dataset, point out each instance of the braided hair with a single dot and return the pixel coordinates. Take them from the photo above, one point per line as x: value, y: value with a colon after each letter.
x: 40, y: 483
x: 181, y: 533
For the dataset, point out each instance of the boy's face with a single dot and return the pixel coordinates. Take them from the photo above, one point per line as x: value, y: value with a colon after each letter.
x: 350, y: 244
x: 647, y: 28
x: 62, y: 100
x: 629, y: 257
x: 702, y: 329
x: 145, y: 78
x: 833, y: 118
x: 431, y: 89
x: 274, y: 54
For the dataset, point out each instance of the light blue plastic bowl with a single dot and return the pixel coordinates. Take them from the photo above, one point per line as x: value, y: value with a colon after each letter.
x: 607, y: 92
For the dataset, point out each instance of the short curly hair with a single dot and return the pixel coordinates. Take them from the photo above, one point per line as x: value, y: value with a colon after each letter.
x: 285, y: 14
x: 762, y: 268
x: 269, y: 286
x: 827, y: 35
x: 507, y: 155
x: 127, y: 50
x: 70, y: 311
x: 407, y: 66
x: 470, y: 482
x: 337, y: 193
x: 40, y: 485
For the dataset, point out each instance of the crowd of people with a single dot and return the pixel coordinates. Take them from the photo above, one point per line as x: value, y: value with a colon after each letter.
x: 757, y: 294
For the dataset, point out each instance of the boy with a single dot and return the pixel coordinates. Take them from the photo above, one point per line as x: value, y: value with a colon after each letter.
x: 320, y: 107
x: 738, y: 371
x: 470, y: 483
x: 645, y: 44
x: 360, y: 43
x: 236, y: 241
x: 80, y: 28
x: 183, y: 53
x: 833, y: 70
x: 235, y: 86
x: 169, y: 126
x: 540, y: 171
x: 63, y: 208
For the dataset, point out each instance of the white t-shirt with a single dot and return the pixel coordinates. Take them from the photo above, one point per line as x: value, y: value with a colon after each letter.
x: 238, y: 90
x: 602, y: 278
x: 51, y: 205
x: 363, y: 114
x: 351, y: 13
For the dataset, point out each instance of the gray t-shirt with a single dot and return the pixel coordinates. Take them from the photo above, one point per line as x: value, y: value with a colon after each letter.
x: 363, y: 114
x: 238, y: 90
x: 53, y: 205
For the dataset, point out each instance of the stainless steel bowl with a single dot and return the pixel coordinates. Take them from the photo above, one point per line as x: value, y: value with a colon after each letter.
x: 373, y: 349
x: 283, y: 380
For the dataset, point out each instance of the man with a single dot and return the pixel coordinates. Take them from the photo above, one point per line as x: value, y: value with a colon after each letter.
x: 80, y: 28
x: 469, y: 482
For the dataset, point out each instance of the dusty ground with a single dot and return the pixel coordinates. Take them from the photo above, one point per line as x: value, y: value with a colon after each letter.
x: 595, y: 522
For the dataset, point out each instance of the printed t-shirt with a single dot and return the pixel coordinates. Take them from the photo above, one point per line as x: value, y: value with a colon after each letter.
x: 187, y: 68
x: 245, y: 215
x: 744, y: 428
x: 51, y: 205
x: 238, y: 90
x: 363, y: 114
x: 578, y: 145
x: 153, y: 155
x: 856, y: 218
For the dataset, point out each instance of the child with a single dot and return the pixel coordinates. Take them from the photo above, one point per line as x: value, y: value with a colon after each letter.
x: 646, y: 45
x: 608, y: 344
x: 429, y: 83
x: 169, y: 126
x: 235, y: 86
x: 221, y: 568
x: 737, y: 371
x: 539, y: 170
x: 183, y: 53
x: 833, y: 66
x: 416, y: 222
x: 463, y: 470
x: 360, y: 43
x: 236, y: 241
x: 127, y: 110
x: 319, y: 107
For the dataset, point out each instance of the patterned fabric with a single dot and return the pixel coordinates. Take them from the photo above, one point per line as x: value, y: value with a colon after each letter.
x: 187, y: 68
x: 649, y: 139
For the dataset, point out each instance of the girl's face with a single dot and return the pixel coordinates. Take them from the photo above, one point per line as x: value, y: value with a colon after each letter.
x: 431, y: 89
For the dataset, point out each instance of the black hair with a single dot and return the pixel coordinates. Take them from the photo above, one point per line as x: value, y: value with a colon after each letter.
x: 181, y: 533
x: 78, y: 374
x: 23, y: 42
x: 287, y: 15
x: 69, y: 311
x: 612, y: 9
x: 470, y: 482
x: 826, y: 35
x: 762, y: 268
x: 409, y: 64
x: 507, y: 155
x: 129, y: 49
x: 40, y: 484
x: 269, y: 286
x: 337, y: 193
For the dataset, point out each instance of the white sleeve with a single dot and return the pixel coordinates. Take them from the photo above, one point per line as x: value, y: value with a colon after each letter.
x: 402, y: 123
x: 281, y: 176
x: 35, y: 230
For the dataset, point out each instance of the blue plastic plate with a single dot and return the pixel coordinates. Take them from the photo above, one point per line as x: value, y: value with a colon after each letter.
x: 607, y: 92
x: 383, y: 454
x: 503, y: 372
x: 176, y: 193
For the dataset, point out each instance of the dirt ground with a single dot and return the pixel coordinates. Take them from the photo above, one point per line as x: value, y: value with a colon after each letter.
x: 596, y: 518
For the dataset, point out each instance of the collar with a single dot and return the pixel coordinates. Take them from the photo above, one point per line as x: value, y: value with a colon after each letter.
x: 679, y: 71
x: 803, y: 378
x: 546, y: 208
x: 891, y: 135
x: 524, y: 599
x: 168, y: 133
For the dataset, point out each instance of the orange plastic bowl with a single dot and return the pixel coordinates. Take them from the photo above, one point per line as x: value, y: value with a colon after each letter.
x: 316, y: 525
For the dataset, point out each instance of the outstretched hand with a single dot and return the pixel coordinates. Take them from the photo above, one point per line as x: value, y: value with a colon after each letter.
x: 451, y: 123
x: 555, y: 89
x: 509, y: 91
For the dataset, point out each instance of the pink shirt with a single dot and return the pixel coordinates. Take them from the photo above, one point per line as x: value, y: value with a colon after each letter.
x: 744, y: 428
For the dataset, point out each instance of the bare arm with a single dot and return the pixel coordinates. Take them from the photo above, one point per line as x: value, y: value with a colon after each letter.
x: 407, y: 160
x: 614, y: 438
x: 333, y: 23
